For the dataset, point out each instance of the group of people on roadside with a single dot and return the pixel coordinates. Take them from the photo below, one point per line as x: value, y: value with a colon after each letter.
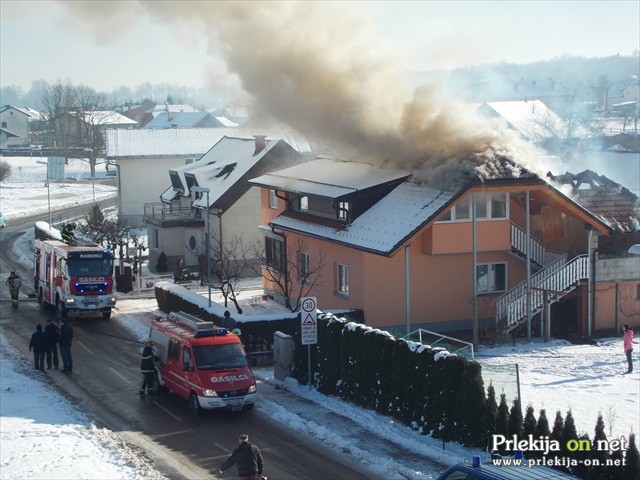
x: 44, y: 345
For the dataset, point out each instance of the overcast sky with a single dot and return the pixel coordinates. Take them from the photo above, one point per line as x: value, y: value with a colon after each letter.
x: 43, y: 40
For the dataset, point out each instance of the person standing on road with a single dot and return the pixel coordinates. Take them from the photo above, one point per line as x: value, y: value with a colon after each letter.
x: 52, y: 332
x: 14, y: 282
x: 64, y: 340
x: 178, y: 271
x: 627, y: 343
x: 38, y: 344
x: 147, y: 368
x: 248, y: 458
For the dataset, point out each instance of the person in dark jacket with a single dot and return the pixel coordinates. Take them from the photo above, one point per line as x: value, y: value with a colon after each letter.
x: 64, y: 340
x: 228, y: 321
x: 178, y: 271
x: 147, y: 368
x: 38, y: 344
x: 248, y: 458
x: 68, y: 234
x: 14, y: 282
x: 52, y: 332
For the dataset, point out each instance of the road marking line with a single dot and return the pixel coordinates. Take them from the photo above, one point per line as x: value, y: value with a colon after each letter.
x: 221, y: 447
x: 118, y: 374
x: 166, y: 410
x: 84, y: 346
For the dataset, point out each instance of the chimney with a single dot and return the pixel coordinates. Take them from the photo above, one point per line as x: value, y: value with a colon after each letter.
x: 261, y: 143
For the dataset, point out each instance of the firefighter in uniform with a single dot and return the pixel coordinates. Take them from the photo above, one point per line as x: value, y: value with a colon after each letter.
x: 147, y: 368
x: 67, y: 233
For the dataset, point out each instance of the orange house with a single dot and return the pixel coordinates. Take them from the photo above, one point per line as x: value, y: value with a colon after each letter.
x: 410, y: 255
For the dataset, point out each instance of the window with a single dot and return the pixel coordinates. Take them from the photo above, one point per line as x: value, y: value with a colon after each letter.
x: 487, y: 207
x: 274, y: 253
x: 304, y: 203
x: 343, y: 280
x: 273, y: 200
x: 174, y: 349
x: 303, y: 267
x: 343, y: 210
x: 491, y: 277
x: 4, y: 124
x: 186, y: 359
x: 491, y: 206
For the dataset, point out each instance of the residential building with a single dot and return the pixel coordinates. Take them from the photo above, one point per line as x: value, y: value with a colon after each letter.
x: 622, y: 96
x: 14, y: 122
x: 412, y: 255
x: 143, y: 159
x: 183, y: 120
x: 177, y: 225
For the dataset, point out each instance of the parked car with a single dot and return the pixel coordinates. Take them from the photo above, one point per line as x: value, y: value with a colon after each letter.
x: 477, y: 471
x: 3, y: 221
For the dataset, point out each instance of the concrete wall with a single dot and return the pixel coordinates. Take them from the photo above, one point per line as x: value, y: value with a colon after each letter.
x: 618, y: 269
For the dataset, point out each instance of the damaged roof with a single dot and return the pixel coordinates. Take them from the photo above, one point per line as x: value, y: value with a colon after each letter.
x: 612, y: 203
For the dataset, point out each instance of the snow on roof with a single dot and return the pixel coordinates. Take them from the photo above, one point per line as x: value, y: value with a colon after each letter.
x: 616, y: 89
x: 532, y: 119
x: 330, y: 178
x: 383, y: 227
x: 33, y: 114
x: 164, y: 107
x: 226, y: 122
x: 224, y: 165
x: 177, y: 119
x: 188, y: 141
x: 105, y: 117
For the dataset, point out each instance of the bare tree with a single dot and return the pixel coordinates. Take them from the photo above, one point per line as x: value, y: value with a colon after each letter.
x: 230, y: 261
x: 92, y: 118
x: 291, y: 270
x: 57, y: 101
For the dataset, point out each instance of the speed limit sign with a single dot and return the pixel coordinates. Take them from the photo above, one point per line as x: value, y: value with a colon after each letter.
x: 309, y: 320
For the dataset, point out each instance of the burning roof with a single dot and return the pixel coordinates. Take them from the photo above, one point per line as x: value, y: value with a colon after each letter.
x: 614, y: 204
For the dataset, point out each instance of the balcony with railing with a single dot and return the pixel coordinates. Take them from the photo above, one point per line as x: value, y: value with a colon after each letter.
x: 169, y: 215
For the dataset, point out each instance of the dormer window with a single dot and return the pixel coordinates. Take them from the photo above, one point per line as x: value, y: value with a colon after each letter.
x: 343, y: 211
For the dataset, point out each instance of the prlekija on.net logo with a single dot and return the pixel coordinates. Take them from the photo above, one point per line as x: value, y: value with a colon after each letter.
x: 549, y: 449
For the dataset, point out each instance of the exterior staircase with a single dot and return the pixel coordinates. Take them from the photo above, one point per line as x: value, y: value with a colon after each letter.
x: 556, y: 276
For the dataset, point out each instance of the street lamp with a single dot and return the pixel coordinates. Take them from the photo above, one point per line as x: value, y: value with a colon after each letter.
x: 48, y: 188
x: 197, y: 189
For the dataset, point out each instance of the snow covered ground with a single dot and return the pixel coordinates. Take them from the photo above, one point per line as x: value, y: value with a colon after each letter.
x: 61, y: 442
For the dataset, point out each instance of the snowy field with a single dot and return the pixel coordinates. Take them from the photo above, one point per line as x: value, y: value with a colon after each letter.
x: 38, y: 443
x: 28, y: 176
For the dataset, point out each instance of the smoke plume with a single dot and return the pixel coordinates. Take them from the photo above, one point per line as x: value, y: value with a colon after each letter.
x: 317, y: 67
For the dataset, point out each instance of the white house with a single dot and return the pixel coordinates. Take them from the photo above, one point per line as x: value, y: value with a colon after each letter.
x: 15, y: 126
x: 143, y: 158
x: 176, y: 225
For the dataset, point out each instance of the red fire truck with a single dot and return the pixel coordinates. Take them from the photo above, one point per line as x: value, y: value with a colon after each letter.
x: 202, y: 363
x: 74, y: 278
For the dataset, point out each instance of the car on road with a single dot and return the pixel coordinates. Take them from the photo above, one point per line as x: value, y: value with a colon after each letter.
x: 478, y: 471
x: 3, y: 220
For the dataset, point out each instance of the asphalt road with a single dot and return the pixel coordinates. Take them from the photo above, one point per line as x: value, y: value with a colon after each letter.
x: 104, y: 384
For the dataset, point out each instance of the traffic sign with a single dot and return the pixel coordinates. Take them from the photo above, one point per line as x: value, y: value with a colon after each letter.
x: 309, y: 320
